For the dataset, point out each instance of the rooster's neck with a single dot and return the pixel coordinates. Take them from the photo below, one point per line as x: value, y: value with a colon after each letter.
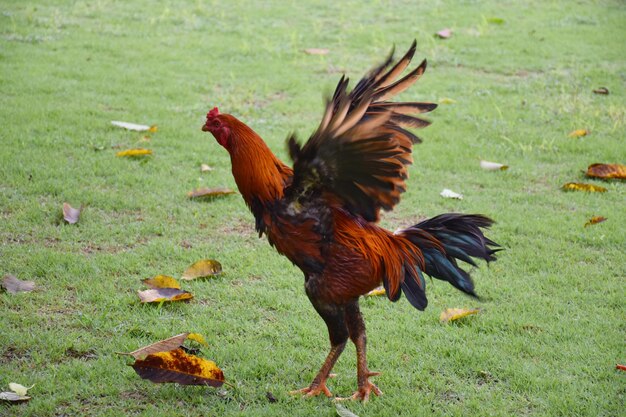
x: 260, y: 176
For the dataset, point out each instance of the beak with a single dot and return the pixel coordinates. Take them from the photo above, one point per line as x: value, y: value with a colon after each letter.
x: 205, y: 128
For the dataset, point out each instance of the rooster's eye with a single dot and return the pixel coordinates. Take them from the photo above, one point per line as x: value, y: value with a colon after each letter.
x: 216, y: 123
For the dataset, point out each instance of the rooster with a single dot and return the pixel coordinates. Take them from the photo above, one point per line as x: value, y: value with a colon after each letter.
x: 322, y: 214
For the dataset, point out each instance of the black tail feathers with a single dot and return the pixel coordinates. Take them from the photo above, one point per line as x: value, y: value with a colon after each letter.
x: 443, y: 240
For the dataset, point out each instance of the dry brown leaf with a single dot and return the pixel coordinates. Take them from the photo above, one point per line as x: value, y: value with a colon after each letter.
x: 13, y: 397
x: 493, y: 166
x: 579, y: 133
x: 158, y: 295
x: 607, y: 171
x: 14, y: 285
x: 209, y: 192
x: 202, y: 269
x: 134, y: 126
x: 452, y: 314
x: 180, y: 367
x: 444, y: 33
x: 376, y: 291
x: 70, y: 214
x: 316, y: 51
x: 205, y: 168
x: 595, y: 220
x: 134, y: 153
x: 602, y: 90
x: 162, y: 281
x: 165, y: 345
x: 579, y: 186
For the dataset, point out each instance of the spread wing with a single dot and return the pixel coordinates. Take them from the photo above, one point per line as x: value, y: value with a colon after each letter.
x: 362, y: 147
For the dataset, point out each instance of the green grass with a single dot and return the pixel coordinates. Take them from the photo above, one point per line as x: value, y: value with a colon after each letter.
x: 552, y: 326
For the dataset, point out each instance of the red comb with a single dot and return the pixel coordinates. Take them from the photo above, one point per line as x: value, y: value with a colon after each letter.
x: 212, y: 113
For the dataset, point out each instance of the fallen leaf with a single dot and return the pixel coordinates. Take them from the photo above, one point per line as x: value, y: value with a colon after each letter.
x: 452, y: 314
x: 444, y: 33
x: 579, y: 186
x: 495, y: 20
x: 162, y: 281
x: 376, y: 291
x: 595, y: 220
x: 602, y: 90
x: 607, y: 171
x: 579, y: 133
x: 209, y: 192
x: 134, y: 153
x: 70, y: 214
x: 316, y: 51
x: 493, y: 166
x: 13, y: 397
x: 202, y: 269
x: 343, y: 411
x: 450, y: 194
x: 134, y: 126
x: 446, y: 100
x: 198, y: 338
x: 158, y: 295
x: 165, y: 345
x: 178, y: 366
x: 19, y: 389
x: 205, y: 168
x: 14, y: 285
x: 620, y: 367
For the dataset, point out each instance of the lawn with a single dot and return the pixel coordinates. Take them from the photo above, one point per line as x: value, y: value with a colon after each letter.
x: 514, y: 79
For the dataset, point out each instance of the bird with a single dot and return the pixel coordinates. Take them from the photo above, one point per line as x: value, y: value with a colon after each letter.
x: 323, y: 212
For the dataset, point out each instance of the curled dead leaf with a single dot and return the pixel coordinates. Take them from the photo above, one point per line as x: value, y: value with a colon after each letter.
x: 205, y: 168
x: 134, y: 126
x: 493, y: 166
x: 70, y: 214
x: 209, y: 192
x: 446, y: 193
x: 13, y: 397
x: 579, y: 133
x: 13, y: 285
x: 452, y: 314
x: 601, y: 90
x: 595, y: 220
x: 444, y: 33
x: 316, y: 51
x: 165, y: 345
x: 376, y: 291
x: 180, y: 367
x: 607, y: 171
x: 162, y: 281
x: 19, y: 389
x: 579, y: 186
x: 134, y: 153
x: 202, y: 269
x: 158, y: 295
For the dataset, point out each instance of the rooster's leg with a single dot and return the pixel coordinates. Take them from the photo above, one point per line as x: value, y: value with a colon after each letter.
x: 356, y: 329
x: 334, y: 317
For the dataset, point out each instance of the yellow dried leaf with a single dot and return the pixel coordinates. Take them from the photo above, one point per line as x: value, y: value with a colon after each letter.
x: 162, y: 281
x: 595, y: 220
x: 376, y: 291
x: 579, y: 133
x: 180, y: 367
x: 447, y: 100
x: 579, y: 186
x: 202, y: 269
x: 133, y: 153
x: 19, y: 389
x: 209, y: 192
x: 607, y: 171
x: 158, y: 295
x: 198, y: 338
x: 153, y: 129
x: 451, y: 314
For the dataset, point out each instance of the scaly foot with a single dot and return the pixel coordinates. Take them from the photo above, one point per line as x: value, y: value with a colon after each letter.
x: 314, y: 389
x: 363, y: 393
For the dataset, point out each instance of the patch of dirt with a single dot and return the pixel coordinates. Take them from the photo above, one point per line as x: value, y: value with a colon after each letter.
x: 88, y: 354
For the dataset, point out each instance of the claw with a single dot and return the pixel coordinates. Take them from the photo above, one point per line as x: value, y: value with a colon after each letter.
x: 363, y: 393
x: 313, y: 390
